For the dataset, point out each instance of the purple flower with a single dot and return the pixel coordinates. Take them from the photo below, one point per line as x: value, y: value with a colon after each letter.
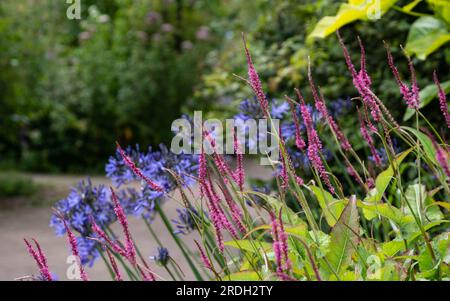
x: 186, y: 220
x: 162, y: 257
x: 442, y: 100
x: 410, y: 94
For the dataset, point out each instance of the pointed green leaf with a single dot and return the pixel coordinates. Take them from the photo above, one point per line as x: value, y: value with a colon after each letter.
x: 344, y: 237
x: 426, y: 35
x: 331, y: 207
x: 384, y: 178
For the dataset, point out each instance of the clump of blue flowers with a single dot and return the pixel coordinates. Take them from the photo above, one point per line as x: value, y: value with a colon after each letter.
x: 86, y: 202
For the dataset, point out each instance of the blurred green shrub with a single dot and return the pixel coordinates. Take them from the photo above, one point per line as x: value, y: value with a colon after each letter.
x: 69, y: 88
x: 13, y: 185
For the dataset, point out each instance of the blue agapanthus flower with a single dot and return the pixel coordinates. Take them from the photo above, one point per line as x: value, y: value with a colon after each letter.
x: 84, y: 202
x: 155, y: 165
x: 185, y: 223
x: 162, y: 256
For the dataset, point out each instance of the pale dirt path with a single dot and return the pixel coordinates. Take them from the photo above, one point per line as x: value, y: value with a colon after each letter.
x: 27, y: 222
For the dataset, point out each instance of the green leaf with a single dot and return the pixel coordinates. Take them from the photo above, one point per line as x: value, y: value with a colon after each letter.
x: 249, y: 245
x: 384, y: 178
x: 426, y: 35
x: 349, y: 12
x: 410, y: 6
x: 426, y: 143
x: 244, y: 276
x: 426, y: 95
x: 415, y: 195
x: 288, y: 216
x: 371, y: 211
x: 344, y: 237
x: 331, y: 207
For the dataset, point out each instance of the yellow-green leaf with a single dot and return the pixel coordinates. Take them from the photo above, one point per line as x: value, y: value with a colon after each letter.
x: 331, y: 207
x: 349, y: 12
x: 384, y: 178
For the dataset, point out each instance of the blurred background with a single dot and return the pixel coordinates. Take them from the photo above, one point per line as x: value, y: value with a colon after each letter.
x: 70, y: 88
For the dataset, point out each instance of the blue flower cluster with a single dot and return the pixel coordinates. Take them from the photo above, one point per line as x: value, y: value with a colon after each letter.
x: 155, y: 165
x: 185, y: 223
x: 86, y: 201
x: 162, y: 256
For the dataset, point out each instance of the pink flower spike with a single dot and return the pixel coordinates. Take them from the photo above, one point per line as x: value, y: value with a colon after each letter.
x: 361, y: 80
x: 442, y: 100
x: 137, y: 171
x: 284, y: 243
x: 442, y: 157
x: 365, y: 134
x: 284, y: 168
x: 202, y: 169
x: 117, y: 277
x: 322, y: 108
x: 129, y: 245
x: 203, y: 257
x: 240, y: 172
x: 75, y: 252
x: 40, y: 259
x: 255, y: 82
x: 236, y: 213
x: 411, y: 96
x: 116, y: 248
x: 299, y: 142
x: 146, y: 276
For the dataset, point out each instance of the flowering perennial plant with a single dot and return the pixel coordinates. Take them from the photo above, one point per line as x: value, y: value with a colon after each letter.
x: 379, y: 217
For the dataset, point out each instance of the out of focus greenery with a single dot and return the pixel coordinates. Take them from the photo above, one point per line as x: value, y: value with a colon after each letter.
x: 69, y: 88
x: 15, y: 185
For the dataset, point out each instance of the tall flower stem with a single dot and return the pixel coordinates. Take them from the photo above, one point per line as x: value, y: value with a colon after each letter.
x: 177, y: 241
x: 155, y: 237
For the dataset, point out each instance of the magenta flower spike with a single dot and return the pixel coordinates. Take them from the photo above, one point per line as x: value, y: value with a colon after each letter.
x: 114, y: 246
x: 442, y: 99
x: 284, y: 170
x: 239, y: 174
x: 146, y: 276
x: 236, y: 213
x: 299, y: 142
x: 129, y: 245
x: 322, y: 108
x: 217, y: 209
x: 410, y: 94
x: 361, y: 79
x: 75, y: 252
x: 206, y: 262
x: 284, y: 244
x: 314, y: 144
x: 117, y: 275
x: 280, y: 246
x: 137, y: 170
x: 40, y: 258
x: 441, y: 156
x: 255, y: 82
x: 365, y: 134
x: 202, y: 169
x: 276, y: 243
